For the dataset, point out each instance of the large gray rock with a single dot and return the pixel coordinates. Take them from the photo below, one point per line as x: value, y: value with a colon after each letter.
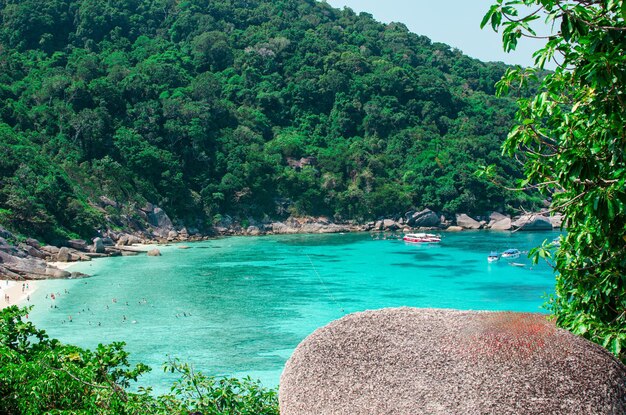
x: 53, y: 272
x: 159, y: 219
x: 253, y: 230
x: 32, y: 251
x: 282, y: 228
x: 556, y: 220
x: 465, y: 222
x: 408, y: 361
x: 152, y: 252
x: 390, y: 225
x: 5, y: 273
x: 64, y: 255
x: 98, y: 246
x: 29, y: 267
x: 50, y: 249
x: 497, y: 216
x: 533, y: 223
x: 33, y: 242
x: 501, y: 225
x: 127, y: 239
x: 424, y: 219
x: 78, y: 244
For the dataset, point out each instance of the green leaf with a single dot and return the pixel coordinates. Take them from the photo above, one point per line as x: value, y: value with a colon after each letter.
x: 488, y: 15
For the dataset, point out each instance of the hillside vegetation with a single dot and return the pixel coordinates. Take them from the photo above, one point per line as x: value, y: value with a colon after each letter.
x: 251, y: 108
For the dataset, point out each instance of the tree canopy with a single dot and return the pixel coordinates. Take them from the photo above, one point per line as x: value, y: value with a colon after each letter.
x: 571, y: 137
x: 204, y: 108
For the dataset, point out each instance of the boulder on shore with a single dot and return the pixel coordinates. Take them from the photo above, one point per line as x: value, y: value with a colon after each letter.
x: 501, y: 225
x: 497, y: 216
x: 423, y: 219
x: 98, y: 246
x: 64, y: 255
x: 253, y: 230
x: 154, y: 252
x: 53, y: 272
x: 436, y: 362
x: 159, y: 219
x: 390, y: 225
x: 533, y: 223
x: 78, y: 244
x: 466, y: 222
x: 556, y: 220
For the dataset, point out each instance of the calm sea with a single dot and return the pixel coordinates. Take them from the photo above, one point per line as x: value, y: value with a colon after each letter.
x: 239, y: 306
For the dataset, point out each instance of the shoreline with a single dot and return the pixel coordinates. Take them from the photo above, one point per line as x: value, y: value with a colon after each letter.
x: 16, y: 295
x: 62, y: 265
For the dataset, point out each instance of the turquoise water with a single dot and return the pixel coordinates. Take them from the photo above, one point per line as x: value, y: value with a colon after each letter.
x: 239, y: 306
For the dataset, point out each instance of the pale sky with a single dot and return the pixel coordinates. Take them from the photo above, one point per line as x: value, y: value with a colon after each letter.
x: 454, y: 22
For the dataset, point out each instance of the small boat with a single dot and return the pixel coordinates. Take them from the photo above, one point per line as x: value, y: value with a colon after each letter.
x: 421, y: 238
x: 518, y: 264
x: 556, y: 242
x: 493, y: 257
x: 511, y: 253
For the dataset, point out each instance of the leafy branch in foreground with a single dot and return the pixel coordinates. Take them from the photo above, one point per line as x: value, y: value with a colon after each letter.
x: 571, y: 138
x: 40, y: 375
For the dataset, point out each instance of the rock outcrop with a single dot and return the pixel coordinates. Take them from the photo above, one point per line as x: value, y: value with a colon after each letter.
x: 154, y: 252
x: 533, y: 222
x: 466, y: 222
x: 422, y: 361
x: 30, y: 268
x: 98, y: 246
x: 422, y: 219
x: 499, y: 222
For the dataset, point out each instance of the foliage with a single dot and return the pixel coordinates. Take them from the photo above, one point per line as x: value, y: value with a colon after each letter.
x: 41, y: 375
x: 572, y: 140
x: 201, y: 107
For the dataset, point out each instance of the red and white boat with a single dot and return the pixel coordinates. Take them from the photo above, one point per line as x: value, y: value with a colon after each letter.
x: 421, y: 237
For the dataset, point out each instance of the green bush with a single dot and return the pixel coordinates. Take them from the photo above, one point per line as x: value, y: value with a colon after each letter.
x: 41, y: 375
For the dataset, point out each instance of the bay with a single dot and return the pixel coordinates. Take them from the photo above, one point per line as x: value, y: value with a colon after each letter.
x: 239, y: 306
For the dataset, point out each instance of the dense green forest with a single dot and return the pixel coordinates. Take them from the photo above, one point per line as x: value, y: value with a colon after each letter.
x: 252, y: 108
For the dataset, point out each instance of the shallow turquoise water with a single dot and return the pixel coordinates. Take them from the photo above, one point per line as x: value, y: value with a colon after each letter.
x: 239, y: 306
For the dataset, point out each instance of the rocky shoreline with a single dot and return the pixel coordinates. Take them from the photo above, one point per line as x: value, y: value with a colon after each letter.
x: 30, y: 260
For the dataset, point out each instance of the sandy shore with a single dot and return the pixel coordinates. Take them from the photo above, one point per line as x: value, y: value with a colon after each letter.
x: 17, y: 292
x: 62, y: 265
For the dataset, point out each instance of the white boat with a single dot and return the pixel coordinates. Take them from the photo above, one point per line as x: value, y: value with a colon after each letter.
x: 511, y: 253
x: 493, y: 257
x: 421, y: 238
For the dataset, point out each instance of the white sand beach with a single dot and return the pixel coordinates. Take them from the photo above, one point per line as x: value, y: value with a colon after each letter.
x: 16, y: 292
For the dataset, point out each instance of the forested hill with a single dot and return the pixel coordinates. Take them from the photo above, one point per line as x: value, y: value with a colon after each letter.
x: 246, y: 107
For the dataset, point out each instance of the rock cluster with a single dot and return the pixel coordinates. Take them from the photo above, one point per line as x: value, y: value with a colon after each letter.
x: 151, y: 225
x: 28, y: 260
